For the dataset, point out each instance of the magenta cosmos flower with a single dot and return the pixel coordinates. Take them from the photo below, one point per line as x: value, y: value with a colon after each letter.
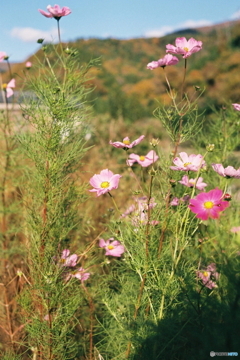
x: 184, y: 47
x: 144, y: 161
x: 186, y: 163
x: 236, y: 106
x: 199, y: 184
x: 228, y: 172
x: 112, y: 247
x: 208, y: 205
x: 126, y: 144
x: 8, y: 88
x: 67, y: 259
x: 55, y: 11
x: 80, y: 274
x: 104, y: 182
x: 166, y: 60
x: 207, y: 276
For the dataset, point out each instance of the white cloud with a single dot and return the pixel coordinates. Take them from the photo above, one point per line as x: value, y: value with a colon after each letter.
x: 32, y: 35
x: 236, y: 15
x: 159, y: 32
x: 164, y: 30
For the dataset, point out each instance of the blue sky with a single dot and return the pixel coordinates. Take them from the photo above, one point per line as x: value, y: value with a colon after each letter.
x: 21, y: 23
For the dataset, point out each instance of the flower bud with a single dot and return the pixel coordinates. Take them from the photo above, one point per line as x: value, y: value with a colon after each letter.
x: 210, y: 147
x: 227, y: 197
x: 173, y: 182
x: 154, y: 142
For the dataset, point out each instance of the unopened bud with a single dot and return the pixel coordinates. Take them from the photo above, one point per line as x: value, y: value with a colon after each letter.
x: 67, y: 51
x: 71, y: 52
x: 152, y: 172
x: 19, y: 273
x: 40, y: 41
x: 203, y: 169
x: 136, y: 192
x: 210, y: 147
x: 6, y: 57
x: 28, y: 65
x: 197, y: 88
x: 227, y: 197
x: 173, y: 182
x: 154, y: 142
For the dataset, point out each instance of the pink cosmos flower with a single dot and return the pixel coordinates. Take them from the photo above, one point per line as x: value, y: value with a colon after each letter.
x: 112, y: 247
x: 200, y: 185
x: 125, y: 144
x: 166, y: 60
x: 186, y: 163
x: 55, y: 12
x: 176, y: 201
x: 3, y: 55
x: 144, y: 161
x: 208, y: 205
x: 153, y: 65
x: 228, y: 172
x: 8, y: 88
x: 140, y: 205
x: 80, y: 274
x: 104, y: 182
x: 235, y: 229
x: 28, y: 64
x: 67, y: 259
x: 236, y: 106
x: 207, y: 276
x: 184, y: 47
x: 139, y: 211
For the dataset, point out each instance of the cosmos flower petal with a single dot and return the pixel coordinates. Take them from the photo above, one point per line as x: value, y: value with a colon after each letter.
x: 208, y: 205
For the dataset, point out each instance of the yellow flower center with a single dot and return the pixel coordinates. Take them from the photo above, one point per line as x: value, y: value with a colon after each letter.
x: 110, y: 247
x: 126, y: 142
x: 205, y: 273
x: 105, y: 184
x: 141, y: 158
x: 186, y: 164
x: 208, y: 205
x: 186, y: 49
x: 192, y: 182
x: 4, y: 86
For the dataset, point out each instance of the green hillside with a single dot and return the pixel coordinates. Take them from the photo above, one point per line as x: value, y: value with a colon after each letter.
x: 124, y: 87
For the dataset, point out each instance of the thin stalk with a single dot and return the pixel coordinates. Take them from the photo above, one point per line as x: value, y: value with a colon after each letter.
x: 114, y: 203
x: 6, y: 168
x: 137, y: 307
x: 59, y: 37
x: 148, y: 215
x: 184, y: 77
x: 170, y: 90
x: 91, y: 308
x: 9, y: 68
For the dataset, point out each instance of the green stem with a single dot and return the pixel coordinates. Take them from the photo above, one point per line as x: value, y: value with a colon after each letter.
x: 114, y: 203
x: 184, y: 77
x: 58, y: 26
x: 172, y: 96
